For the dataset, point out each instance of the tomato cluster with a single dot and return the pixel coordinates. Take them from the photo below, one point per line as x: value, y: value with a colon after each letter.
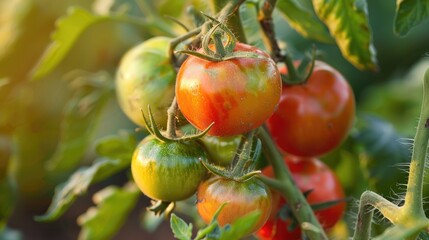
x: 312, y: 119
x: 228, y: 98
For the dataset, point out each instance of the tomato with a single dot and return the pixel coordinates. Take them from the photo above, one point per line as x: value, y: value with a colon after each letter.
x: 238, y: 95
x: 242, y: 197
x: 221, y: 150
x: 168, y: 171
x: 314, y: 117
x: 310, y: 174
x: 146, y: 77
x: 278, y: 229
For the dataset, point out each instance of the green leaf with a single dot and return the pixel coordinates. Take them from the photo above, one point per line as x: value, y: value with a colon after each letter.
x: 382, y: 154
x: 67, y: 192
x: 241, y: 227
x: 80, y: 120
x: 348, y: 24
x: 69, y: 29
x: 303, y: 19
x: 424, y: 236
x: 410, y: 13
x: 250, y: 24
x: 116, y: 159
x: 113, y: 206
x: 180, y: 228
x: 210, y: 231
x: 170, y: 8
x: 119, y: 146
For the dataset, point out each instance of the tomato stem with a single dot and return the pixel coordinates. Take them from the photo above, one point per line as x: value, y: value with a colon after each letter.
x: 368, y: 201
x: 413, y: 197
x: 176, y: 41
x: 171, y: 119
x: 244, y: 155
x: 285, y: 185
x: 267, y: 24
x: 233, y: 19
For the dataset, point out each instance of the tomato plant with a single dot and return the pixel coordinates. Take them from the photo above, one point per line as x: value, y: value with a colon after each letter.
x: 237, y: 95
x: 314, y: 117
x: 167, y: 171
x: 216, y: 62
x: 146, y: 77
x: 241, y: 197
x: 314, y: 177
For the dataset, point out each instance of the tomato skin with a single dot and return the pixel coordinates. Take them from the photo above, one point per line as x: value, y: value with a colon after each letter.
x: 242, y: 197
x: 278, y: 230
x: 315, y: 117
x: 168, y: 171
x: 238, y: 95
x: 146, y: 77
x: 309, y: 174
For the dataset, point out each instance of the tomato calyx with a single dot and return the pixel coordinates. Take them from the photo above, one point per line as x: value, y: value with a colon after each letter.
x: 159, y: 207
x: 153, y: 129
x: 298, y: 75
x: 242, y: 167
x: 223, y: 50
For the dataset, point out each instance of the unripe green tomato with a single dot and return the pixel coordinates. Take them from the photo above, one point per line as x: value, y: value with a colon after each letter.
x: 221, y: 150
x: 168, y: 171
x: 146, y: 77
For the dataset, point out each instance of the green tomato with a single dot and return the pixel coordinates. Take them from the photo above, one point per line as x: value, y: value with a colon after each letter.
x: 221, y: 150
x: 146, y: 77
x: 168, y: 171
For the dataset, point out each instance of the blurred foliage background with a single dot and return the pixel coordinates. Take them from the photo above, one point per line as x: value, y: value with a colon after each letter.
x: 51, y: 127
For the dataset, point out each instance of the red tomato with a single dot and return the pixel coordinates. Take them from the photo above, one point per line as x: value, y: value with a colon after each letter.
x: 242, y: 197
x: 309, y: 174
x: 314, y: 117
x: 238, y: 95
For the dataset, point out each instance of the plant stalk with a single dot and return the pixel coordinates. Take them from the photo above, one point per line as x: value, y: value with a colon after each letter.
x: 267, y: 25
x: 368, y: 201
x: 245, y: 155
x: 234, y: 21
x: 413, y: 198
x: 285, y: 185
x: 171, y: 119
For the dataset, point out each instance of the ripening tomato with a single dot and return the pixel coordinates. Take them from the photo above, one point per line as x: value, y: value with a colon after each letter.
x: 310, y: 174
x: 168, y: 171
x: 314, y: 117
x: 242, y: 197
x: 146, y: 77
x: 238, y: 95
